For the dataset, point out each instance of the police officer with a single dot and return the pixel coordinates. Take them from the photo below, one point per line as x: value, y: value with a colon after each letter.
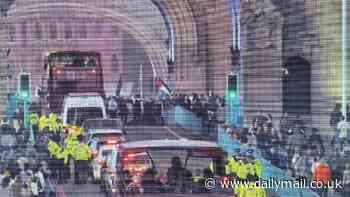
x: 52, y: 123
x: 43, y: 122
x: 56, y: 157
x: 81, y: 154
x: 69, y: 144
x: 242, y: 170
x: 232, y: 163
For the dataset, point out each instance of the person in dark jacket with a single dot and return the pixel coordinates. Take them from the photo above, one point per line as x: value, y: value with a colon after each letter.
x: 137, y: 110
x: 158, y: 113
x: 336, y: 116
x: 175, y: 174
x: 315, y: 139
x: 124, y: 112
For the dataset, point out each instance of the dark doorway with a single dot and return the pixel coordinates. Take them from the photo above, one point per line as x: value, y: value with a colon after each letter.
x: 297, y: 86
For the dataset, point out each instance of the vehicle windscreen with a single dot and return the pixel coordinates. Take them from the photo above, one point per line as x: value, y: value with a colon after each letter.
x: 194, y: 162
x: 73, y: 60
x: 76, y: 116
x: 101, y: 124
x: 106, y: 136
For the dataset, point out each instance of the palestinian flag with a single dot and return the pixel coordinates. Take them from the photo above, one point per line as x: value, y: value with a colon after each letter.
x: 162, y: 87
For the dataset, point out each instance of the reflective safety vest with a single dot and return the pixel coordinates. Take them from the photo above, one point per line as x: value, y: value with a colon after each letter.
x: 258, y: 168
x: 227, y: 169
x: 42, y: 123
x: 60, y: 126
x: 53, y: 148
x: 255, y: 168
x: 196, y: 179
x: 60, y: 155
x: 242, y: 170
x: 52, y: 123
x: 74, y: 131
x: 82, y: 152
x: 232, y: 166
x: 33, y: 119
x: 211, y: 167
x: 70, y: 144
x: 251, y: 169
x: 250, y: 190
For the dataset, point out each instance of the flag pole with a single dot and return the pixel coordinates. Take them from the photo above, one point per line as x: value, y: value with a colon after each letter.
x: 141, y: 85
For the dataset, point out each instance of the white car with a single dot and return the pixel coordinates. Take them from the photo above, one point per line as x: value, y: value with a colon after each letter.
x: 104, y: 156
x: 140, y: 161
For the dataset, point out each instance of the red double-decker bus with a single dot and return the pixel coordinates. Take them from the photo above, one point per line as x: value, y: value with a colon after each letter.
x: 72, y: 72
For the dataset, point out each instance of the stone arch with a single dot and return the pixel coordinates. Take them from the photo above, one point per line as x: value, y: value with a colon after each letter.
x: 185, y: 29
x: 155, y: 49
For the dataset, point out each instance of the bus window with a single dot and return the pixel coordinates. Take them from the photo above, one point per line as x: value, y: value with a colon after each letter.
x: 73, y: 60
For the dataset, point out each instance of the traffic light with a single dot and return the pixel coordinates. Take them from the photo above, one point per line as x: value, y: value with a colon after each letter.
x: 24, y: 86
x: 232, y: 86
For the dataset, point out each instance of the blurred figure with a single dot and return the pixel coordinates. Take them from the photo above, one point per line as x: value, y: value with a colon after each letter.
x: 112, y: 107
x: 342, y: 128
x: 259, y: 118
x: 158, y: 113
x: 322, y: 173
x: 346, y: 181
x: 297, y: 139
x: 37, y: 184
x: 123, y: 110
x: 25, y: 176
x: 315, y: 139
x: 174, y: 173
x: 335, y: 118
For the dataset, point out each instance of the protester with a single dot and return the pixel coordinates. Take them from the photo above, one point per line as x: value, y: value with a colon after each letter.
x: 346, y: 181
x: 25, y: 176
x: 297, y: 138
x: 342, y: 128
x: 37, y: 183
x: 335, y: 118
x: 124, y: 111
x: 315, y: 140
x: 299, y: 164
x: 322, y: 173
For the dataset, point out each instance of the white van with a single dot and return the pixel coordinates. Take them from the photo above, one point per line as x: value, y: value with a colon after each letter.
x: 78, y: 107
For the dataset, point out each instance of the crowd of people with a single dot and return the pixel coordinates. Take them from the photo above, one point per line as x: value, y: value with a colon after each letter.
x: 205, y: 107
x: 302, y: 152
x: 54, y: 146
x: 24, y: 179
x: 136, y: 110
x: 148, y: 111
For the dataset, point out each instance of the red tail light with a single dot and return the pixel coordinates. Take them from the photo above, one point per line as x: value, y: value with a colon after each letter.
x: 58, y: 72
x: 103, y: 163
x: 94, y: 153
